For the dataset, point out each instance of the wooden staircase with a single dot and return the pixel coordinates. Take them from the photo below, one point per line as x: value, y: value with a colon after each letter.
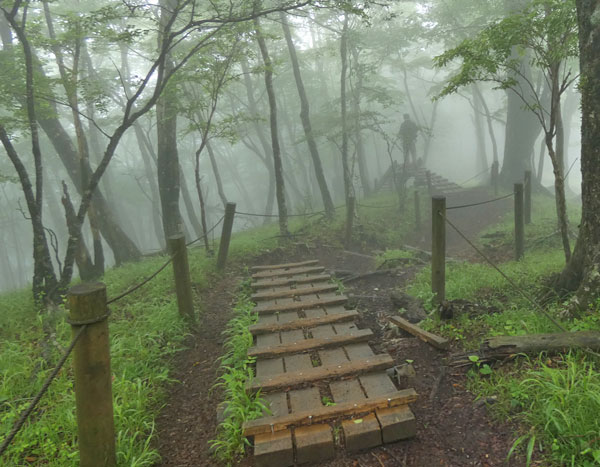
x: 439, y: 185
x: 325, y: 387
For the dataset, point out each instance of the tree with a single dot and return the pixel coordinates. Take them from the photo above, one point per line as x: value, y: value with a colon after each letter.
x: 546, y: 34
x: 582, y: 272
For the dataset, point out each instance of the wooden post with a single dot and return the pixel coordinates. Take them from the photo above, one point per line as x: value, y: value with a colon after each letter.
x: 527, y: 200
x: 429, y: 184
x: 519, y: 222
x: 225, y: 236
x: 91, y: 365
x: 181, y: 274
x: 417, y: 211
x: 495, y: 172
x: 349, y: 221
x: 438, y: 248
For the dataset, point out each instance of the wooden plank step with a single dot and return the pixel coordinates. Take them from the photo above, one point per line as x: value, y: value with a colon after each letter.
x: 294, y: 292
x: 319, y: 414
x: 267, y: 267
x: 309, y: 278
x: 436, y: 341
x: 359, y: 335
x: 288, y: 272
x: 357, y: 367
x: 303, y: 323
x: 266, y: 308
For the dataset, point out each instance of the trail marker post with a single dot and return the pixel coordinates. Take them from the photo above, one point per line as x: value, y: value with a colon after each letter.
x: 438, y: 248
x: 519, y: 222
x: 417, y: 212
x: 181, y: 274
x: 527, y: 200
x: 225, y: 235
x: 91, y: 365
x: 349, y: 221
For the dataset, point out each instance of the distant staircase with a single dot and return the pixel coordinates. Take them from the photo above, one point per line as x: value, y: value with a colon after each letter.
x: 421, y: 177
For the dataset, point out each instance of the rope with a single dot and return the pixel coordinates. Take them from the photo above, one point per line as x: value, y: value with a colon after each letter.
x: 25, y: 414
x: 376, y: 207
x: 88, y: 321
x: 251, y: 214
x: 206, y: 234
x: 480, y: 203
x: 474, y: 176
x: 508, y: 279
x: 144, y: 282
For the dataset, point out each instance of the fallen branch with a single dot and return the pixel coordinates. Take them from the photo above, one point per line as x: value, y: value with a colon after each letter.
x: 436, y: 341
x: 380, y: 272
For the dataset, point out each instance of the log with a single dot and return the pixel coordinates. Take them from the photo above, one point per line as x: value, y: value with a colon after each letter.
x: 499, y: 347
x: 310, y: 262
x: 303, y: 323
x: 436, y: 341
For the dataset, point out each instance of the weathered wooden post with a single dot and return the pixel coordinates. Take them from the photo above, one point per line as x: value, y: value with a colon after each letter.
x: 225, y: 236
x: 438, y: 248
x: 349, y: 221
x: 91, y: 365
x: 495, y: 172
x: 181, y: 274
x: 429, y: 184
x: 519, y: 222
x: 527, y: 200
x: 417, y: 211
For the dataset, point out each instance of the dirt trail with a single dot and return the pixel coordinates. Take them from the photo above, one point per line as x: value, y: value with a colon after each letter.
x: 452, y: 430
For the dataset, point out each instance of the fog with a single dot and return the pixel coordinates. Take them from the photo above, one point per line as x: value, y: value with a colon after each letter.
x: 95, y: 64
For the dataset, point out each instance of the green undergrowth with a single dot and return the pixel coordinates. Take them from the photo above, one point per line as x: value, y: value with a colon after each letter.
x: 236, y: 372
x: 144, y: 330
x: 554, y: 400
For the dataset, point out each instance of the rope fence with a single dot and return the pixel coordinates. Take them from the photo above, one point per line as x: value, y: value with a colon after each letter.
x: 25, y: 414
x: 508, y: 279
x: 485, y: 171
x: 481, y: 202
x: 82, y: 327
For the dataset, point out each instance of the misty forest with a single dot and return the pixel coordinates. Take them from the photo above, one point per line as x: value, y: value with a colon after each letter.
x: 313, y: 232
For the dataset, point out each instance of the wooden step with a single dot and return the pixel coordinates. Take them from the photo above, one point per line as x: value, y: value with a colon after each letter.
x: 268, y: 283
x: 267, y: 308
x: 318, y: 414
x: 267, y: 267
x: 356, y: 367
x: 287, y: 272
x: 305, y: 345
x: 294, y: 292
x: 303, y: 323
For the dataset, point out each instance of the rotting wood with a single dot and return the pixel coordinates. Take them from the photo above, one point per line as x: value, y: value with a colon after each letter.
x: 505, y: 346
x: 293, y: 292
x: 300, y: 305
x: 357, y: 367
x: 309, y: 262
x: 287, y: 272
x: 304, y: 345
x: 302, y: 323
x: 264, y: 284
x: 307, y: 417
x: 359, y: 255
x: 436, y: 341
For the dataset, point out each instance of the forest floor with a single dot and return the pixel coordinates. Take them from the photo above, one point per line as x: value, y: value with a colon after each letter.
x: 453, y: 429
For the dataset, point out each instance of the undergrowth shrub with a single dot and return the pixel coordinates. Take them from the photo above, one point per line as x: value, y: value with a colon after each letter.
x: 236, y: 368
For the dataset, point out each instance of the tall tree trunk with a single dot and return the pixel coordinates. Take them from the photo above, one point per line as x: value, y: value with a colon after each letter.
x: 481, y: 155
x: 167, y: 163
x: 358, y: 140
x: 344, y: 57
x: 488, y: 118
x: 583, y: 270
x: 305, y: 118
x: 215, y: 168
x: 189, y: 204
x: 277, y: 165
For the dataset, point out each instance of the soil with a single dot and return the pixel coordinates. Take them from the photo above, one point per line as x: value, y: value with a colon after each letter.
x: 452, y: 428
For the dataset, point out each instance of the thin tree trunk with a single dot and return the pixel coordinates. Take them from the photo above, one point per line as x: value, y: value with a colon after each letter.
x: 488, y: 118
x: 215, y: 168
x: 279, y: 180
x: 305, y: 118
x: 481, y: 156
x: 344, y: 118
x: 360, y: 150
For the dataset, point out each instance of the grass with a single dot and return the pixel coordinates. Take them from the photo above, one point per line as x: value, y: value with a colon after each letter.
x: 236, y: 371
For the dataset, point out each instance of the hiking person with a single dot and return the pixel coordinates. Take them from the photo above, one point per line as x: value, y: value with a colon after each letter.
x: 408, y: 135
